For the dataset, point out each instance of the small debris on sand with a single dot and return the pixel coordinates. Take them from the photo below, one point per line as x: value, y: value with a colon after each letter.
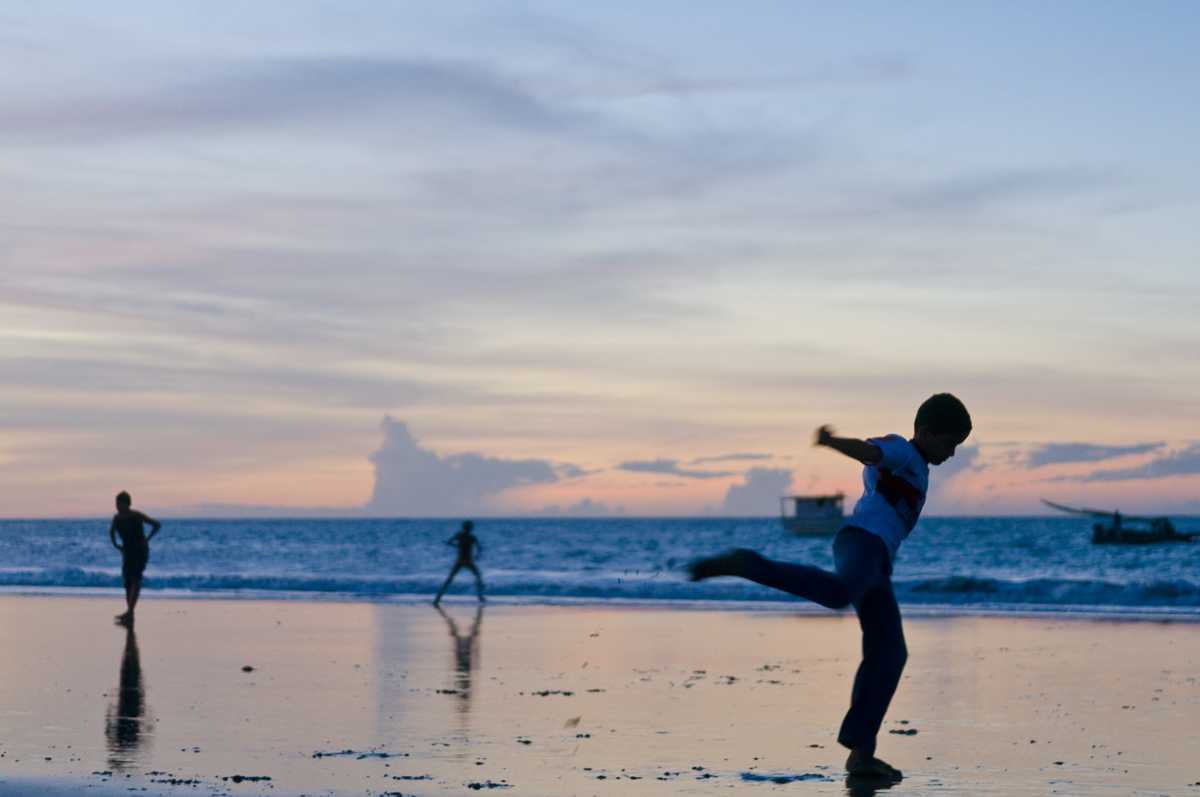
x: 357, y: 755
x: 783, y: 777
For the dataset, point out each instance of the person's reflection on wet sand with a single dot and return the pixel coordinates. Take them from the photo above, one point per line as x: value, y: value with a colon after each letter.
x: 123, y: 727
x: 860, y: 786
x: 465, y: 653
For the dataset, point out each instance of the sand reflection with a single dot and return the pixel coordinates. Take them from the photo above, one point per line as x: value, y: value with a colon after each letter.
x: 466, y: 655
x: 126, y: 726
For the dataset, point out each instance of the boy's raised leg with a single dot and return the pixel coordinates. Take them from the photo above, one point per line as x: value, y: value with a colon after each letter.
x: 805, y: 581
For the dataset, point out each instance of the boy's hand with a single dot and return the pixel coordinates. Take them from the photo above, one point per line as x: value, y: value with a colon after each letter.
x: 823, y: 436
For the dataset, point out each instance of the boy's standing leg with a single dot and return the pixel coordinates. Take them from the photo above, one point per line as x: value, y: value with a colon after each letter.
x: 453, y: 572
x: 884, y: 654
x: 132, y: 568
x: 474, y: 568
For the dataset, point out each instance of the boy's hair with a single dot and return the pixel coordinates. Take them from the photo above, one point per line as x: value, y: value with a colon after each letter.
x: 123, y: 499
x: 468, y: 525
x: 943, y: 413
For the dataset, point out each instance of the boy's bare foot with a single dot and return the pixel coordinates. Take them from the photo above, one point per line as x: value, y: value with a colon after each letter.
x: 123, y: 619
x: 730, y: 563
x: 862, y: 765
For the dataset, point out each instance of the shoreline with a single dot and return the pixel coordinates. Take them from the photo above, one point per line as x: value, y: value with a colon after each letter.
x: 1156, y: 614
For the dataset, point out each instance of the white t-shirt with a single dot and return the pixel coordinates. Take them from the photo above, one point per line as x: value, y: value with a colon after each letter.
x: 893, y: 492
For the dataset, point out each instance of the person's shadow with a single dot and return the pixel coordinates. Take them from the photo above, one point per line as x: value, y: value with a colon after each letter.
x: 123, y: 726
x: 466, y: 648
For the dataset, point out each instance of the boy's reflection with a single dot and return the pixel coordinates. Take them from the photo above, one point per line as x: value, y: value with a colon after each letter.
x: 123, y: 722
x: 860, y: 786
x: 466, y: 649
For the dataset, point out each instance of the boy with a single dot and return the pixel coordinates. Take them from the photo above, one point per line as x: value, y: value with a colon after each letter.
x: 895, y: 481
x: 134, y: 548
x: 468, y: 546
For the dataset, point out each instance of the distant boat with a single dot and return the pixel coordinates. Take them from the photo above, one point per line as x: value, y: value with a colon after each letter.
x: 812, y: 514
x: 1128, y: 529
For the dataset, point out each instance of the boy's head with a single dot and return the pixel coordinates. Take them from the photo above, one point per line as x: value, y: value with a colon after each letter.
x: 123, y: 500
x: 941, y: 425
x: 468, y: 525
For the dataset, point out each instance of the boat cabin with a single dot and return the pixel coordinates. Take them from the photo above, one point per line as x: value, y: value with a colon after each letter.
x: 812, y: 514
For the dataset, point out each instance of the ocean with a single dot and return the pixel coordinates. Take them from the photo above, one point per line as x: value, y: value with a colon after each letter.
x: 996, y: 564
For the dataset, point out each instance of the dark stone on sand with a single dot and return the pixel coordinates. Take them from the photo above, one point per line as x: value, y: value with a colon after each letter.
x: 246, y: 778
x: 904, y: 731
x: 247, y: 668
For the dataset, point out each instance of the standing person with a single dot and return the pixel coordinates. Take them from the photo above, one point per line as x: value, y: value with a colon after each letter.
x: 895, y: 481
x: 468, y: 547
x: 134, y: 547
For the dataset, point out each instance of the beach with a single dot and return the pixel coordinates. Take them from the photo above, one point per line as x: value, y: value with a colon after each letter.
x: 254, y: 697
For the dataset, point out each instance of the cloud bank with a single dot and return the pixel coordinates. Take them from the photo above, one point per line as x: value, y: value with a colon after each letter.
x: 1185, y: 462
x: 743, y: 457
x: 1059, y: 453
x: 759, y: 494
x: 671, y: 467
x: 411, y: 480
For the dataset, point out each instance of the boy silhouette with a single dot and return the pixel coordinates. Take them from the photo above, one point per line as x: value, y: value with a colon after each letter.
x: 468, y: 545
x: 134, y: 548
x: 895, y: 481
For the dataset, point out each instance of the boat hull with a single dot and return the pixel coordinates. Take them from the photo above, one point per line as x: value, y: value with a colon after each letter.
x: 1106, y: 535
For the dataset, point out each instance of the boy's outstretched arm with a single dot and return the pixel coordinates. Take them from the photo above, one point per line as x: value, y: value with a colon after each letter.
x: 112, y: 535
x: 864, y: 452
x: 154, y: 524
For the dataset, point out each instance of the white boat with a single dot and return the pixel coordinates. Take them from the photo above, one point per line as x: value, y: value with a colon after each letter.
x: 812, y: 514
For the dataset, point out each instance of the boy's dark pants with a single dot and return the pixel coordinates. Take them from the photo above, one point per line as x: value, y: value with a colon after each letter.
x: 863, y: 578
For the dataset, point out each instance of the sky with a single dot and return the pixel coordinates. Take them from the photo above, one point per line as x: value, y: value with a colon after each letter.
x: 588, y: 259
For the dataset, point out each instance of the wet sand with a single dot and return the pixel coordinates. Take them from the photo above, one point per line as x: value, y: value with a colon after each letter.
x: 356, y: 698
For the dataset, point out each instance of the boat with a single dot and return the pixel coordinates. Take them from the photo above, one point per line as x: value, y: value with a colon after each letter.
x: 1122, y: 529
x: 812, y: 514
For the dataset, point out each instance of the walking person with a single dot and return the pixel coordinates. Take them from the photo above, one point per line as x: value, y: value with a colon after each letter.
x: 468, y: 548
